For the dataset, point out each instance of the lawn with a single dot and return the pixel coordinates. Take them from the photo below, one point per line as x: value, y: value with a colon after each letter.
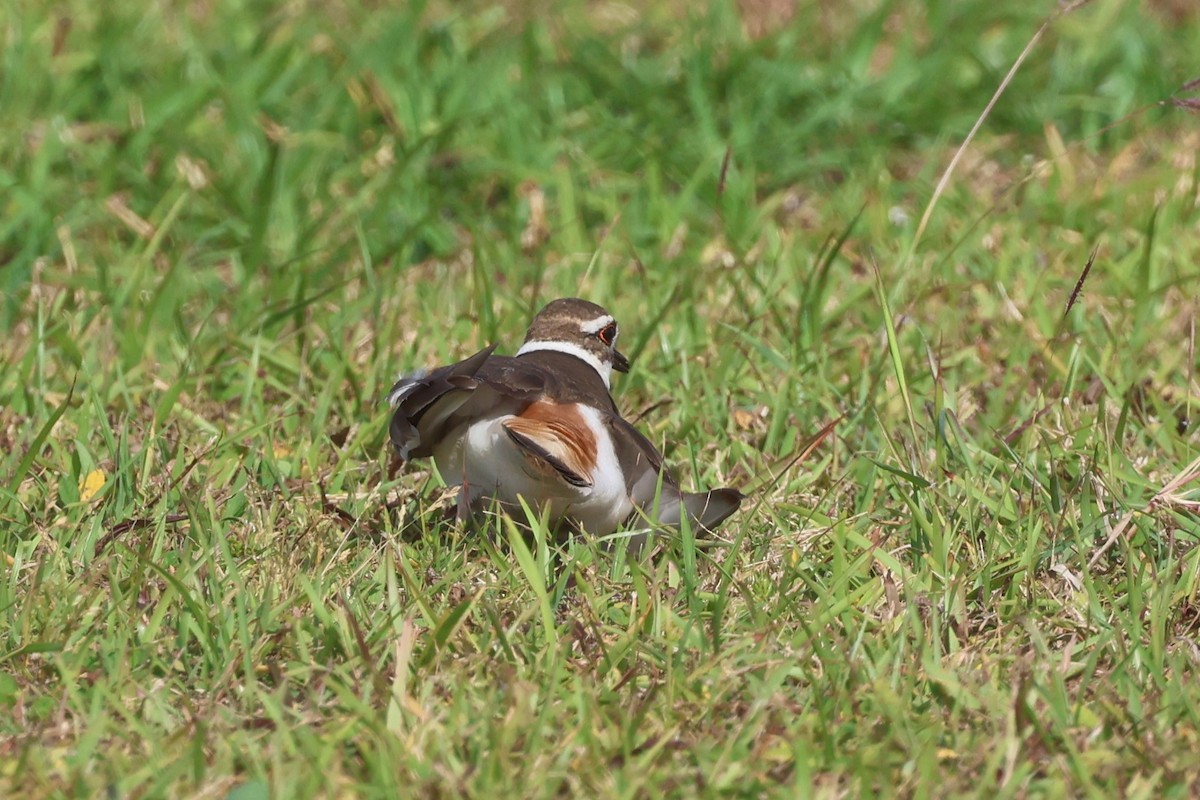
x: 227, y: 226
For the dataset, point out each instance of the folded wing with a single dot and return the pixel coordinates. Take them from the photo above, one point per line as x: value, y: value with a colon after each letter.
x: 551, y: 449
x: 655, y: 492
x: 426, y: 404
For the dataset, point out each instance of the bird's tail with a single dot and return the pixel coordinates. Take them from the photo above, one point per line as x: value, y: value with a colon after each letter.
x: 705, y: 510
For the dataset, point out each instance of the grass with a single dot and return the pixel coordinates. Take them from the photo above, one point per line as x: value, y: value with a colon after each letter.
x: 228, y: 226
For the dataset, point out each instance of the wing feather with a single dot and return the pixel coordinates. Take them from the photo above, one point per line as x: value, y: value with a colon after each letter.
x: 426, y: 402
x: 558, y: 437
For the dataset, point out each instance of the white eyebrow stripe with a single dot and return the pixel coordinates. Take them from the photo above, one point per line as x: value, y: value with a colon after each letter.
x: 596, y: 325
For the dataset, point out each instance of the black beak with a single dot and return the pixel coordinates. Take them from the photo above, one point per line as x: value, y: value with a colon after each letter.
x: 620, y: 362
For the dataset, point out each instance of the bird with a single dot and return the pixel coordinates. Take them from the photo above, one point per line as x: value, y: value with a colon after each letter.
x: 542, y: 426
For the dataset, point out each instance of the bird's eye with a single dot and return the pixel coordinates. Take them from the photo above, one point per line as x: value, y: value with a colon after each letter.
x: 608, y: 334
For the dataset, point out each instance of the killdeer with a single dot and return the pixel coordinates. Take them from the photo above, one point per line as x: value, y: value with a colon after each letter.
x: 543, y: 426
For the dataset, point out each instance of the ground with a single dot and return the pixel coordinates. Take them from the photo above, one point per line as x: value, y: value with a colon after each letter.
x: 228, y: 226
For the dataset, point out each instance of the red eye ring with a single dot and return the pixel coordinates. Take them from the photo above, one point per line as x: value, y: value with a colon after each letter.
x: 608, y: 334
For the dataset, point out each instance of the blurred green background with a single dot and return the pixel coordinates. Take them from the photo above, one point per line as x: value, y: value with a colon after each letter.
x: 226, y: 227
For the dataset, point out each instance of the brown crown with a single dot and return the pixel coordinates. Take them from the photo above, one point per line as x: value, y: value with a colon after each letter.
x: 560, y: 320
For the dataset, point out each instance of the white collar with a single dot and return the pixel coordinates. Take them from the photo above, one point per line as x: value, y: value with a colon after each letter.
x: 603, y: 370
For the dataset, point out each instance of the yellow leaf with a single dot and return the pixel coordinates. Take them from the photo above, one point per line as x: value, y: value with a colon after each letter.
x: 91, y: 484
x: 742, y: 418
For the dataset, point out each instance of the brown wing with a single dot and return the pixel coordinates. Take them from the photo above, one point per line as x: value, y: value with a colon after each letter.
x: 426, y: 404
x: 654, y: 491
x: 640, y: 459
x: 431, y: 406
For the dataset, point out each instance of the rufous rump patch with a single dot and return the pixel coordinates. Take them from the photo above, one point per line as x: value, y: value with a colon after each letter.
x: 562, y: 430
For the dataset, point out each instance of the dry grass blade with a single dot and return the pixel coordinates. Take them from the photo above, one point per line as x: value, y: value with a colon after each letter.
x: 1016, y: 432
x: 650, y: 409
x: 1167, y: 495
x: 804, y: 452
x: 944, y: 181
x: 1186, y: 421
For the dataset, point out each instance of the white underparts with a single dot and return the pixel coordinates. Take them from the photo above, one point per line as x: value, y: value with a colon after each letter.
x: 603, y: 370
x: 607, y: 504
x: 493, y: 467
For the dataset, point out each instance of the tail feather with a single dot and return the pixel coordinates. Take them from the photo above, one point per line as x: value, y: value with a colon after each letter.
x: 705, y: 510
